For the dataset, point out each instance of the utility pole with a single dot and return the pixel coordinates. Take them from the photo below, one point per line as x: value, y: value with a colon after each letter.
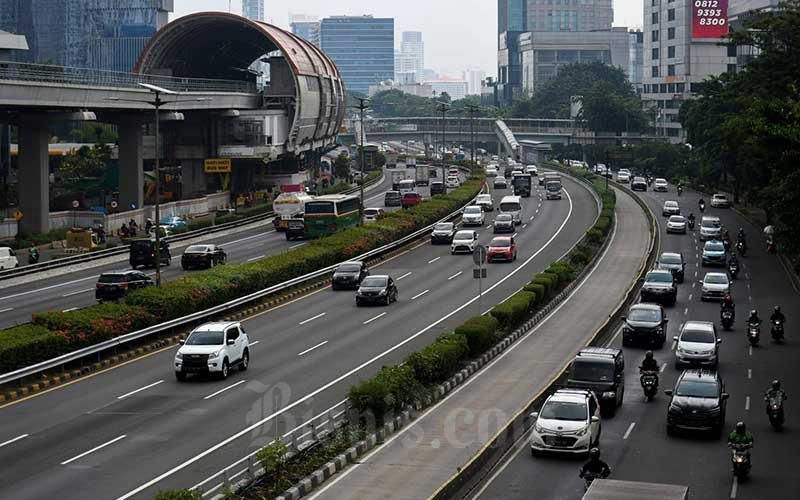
x: 473, y: 110
x: 362, y: 106
x: 443, y: 106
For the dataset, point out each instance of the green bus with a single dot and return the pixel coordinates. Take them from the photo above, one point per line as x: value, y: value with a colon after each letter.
x: 329, y: 214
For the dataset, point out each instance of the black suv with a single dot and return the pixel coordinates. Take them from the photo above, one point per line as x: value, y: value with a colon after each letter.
x: 673, y: 262
x: 697, y: 403
x: 644, y: 324
x: 659, y: 286
x: 143, y: 253
x: 443, y: 233
x: 114, y: 286
x: 437, y: 187
x: 376, y: 290
x: 349, y: 275
x: 601, y: 370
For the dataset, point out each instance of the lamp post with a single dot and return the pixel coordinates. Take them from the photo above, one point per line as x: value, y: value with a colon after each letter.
x: 473, y: 110
x: 362, y: 106
x: 443, y: 107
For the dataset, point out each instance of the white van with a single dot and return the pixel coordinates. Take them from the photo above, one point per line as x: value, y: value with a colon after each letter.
x: 512, y: 205
x: 407, y: 185
x: 8, y: 259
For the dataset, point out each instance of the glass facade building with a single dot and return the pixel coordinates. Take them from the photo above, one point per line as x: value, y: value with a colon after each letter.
x: 362, y: 48
x: 306, y: 27
x: 100, y: 34
x: 253, y: 9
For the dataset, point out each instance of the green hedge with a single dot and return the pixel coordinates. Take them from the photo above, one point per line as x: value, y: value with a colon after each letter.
x: 538, y: 289
x: 338, y: 188
x: 388, y: 391
x: 243, y: 213
x: 511, y: 312
x: 439, y: 360
x: 96, y: 324
x: 25, y: 345
x: 480, y: 333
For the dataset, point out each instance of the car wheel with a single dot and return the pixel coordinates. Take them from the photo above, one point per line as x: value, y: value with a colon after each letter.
x: 180, y: 376
x: 169, y: 260
x: 388, y: 300
x: 358, y: 303
x: 245, y: 361
x: 185, y: 268
x: 210, y: 263
x: 223, y: 374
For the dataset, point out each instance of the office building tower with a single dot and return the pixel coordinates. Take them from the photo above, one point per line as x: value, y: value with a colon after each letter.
x: 456, y: 89
x: 412, y: 49
x: 253, y: 9
x: 474, y: 79
x: 681, y: 49
x: 362, y: 48
x: 101, y: 34
x: 511, y: 22
x: 306, y: 27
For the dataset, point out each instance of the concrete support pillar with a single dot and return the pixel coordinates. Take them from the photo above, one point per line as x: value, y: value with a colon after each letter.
x: 34, y: 174
x: 131, y: 168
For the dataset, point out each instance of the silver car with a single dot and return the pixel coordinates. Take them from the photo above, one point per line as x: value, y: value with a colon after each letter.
x: 670, y: 208
x: 676, y: 224
x: 661, y: 185
x: 715, y: 286
x: 710, y: 228
x: 697, y: 344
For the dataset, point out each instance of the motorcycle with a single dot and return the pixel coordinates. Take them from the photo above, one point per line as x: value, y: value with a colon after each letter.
x: 777, y: 331
x: 727, y: 320
x: 649, y: 381
x: 753, y: 333
x: 691, y: 224
x: 775, y: 411
x: 33, y: 256
x: 740, y: 458
x: 589, y: 477
x: 741, y: 248
x: 727, y: 243
x: 702, y: 207
x: 733, y: 270
x: 771, y: 247
x: 680, y: 190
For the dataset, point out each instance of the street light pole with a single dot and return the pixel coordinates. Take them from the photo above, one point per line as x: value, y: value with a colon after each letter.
x: 157, y: 103
x: 473, y: 109
x: 362, y: 106
x: 443, y: 108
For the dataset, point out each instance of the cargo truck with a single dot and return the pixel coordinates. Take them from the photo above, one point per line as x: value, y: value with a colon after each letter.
x: 290, y: 204
x: 391, y: 159
x: 522, y: 184
x: 552, y: 186
x: 401, y: 175
x: 422, y: 175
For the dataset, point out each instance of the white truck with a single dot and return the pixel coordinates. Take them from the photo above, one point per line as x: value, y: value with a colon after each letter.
x: 401, y: 174
x: 411, y: 161
x: 391, y: 159
x: 213, y: 349
x: 422, y: 175
x: 290, y: 204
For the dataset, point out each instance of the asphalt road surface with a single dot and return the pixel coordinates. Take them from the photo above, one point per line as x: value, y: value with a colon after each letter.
x: 635, y: 443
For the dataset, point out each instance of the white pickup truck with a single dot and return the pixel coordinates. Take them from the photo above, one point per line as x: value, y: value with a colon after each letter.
x: 213, y: 348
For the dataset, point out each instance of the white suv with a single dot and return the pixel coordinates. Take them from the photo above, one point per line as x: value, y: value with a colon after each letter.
x: 464, y: 241
x: 213, y: 348
x: 719, y: 200
x: 473, y: 216
x: 569, y: 422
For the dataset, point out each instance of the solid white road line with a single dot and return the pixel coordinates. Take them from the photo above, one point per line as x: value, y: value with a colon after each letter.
x: 628, y: 432
x: 225, y: 389
x: 93, y: 450
x: 734, y: 487
x: 663, y: 367
x: 255, y: 343
x: 298, y: 245
x: 140, y: 389
x: 373, y: 319
x: 6, y: 310
x: 256, y: 258
x: 455, y: 275
x: 356, y: 369
x: 750, y: 350
x: 420, y: 294
x: 70, y: 310
x: 433, y: 260
x: 70, y: 294
x: 309, y: 320
x: 747, y: 403
x: 14, y: 440
x: 312, y: 348
x: 404, y: 276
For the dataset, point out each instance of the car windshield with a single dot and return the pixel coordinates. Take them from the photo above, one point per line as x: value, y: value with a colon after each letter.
x: 472, y: 210
x: 197, y: 249
x: 375, y: 281
x: 113, y: 278
x: 503, y: 218
x: 553, y: 186
x: 659, y: 277
x: 484, y: 197
x: 720, y: 197
x: 670, y: 259
x: 649, y: 315
x: 371, y: 211
x: 715, y: 246
x: 701, y: 336
x: 695, y: 389
x: 671, y: 204
x: 677, y: 218
x: 444, y: 226
x: 168, y: 220
x: 348, y: 268
x: 563, y: 410
x: 205, y: 338
x: 464, y: 235
x: 711, y: 223
x: 716, y: 279
x: 500, y: 242
x: 661, y: 181
x: 510, y: 207
x: 592, y: 371
x: 392, y: 194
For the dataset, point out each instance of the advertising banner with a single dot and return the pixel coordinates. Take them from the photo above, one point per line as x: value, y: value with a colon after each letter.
x: 217, y: 165
x: 709, y: 18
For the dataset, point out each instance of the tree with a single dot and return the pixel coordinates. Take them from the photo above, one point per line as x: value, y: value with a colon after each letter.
x: 604, y: 110
x: 341, y: 166
x: 86, y: 162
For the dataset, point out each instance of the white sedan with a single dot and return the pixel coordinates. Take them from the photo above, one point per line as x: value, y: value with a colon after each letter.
x: 676, y: 224
x: 473, y: 216
x: 464, y: 241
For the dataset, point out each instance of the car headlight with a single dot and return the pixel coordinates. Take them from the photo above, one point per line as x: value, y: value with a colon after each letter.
x: 681, y: 350
x: 582, y: 432
x: 609, y: 394
x: 538, y: 428
x: 215, y: 354
x: 179, y: 356
x: 382, y: 292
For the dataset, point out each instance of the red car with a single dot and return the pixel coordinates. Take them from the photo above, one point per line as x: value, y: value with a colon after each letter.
x: 502, y: 248
x: 411, y: 199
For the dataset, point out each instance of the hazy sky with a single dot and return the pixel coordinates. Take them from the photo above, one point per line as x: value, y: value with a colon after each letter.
x: 458, y: 34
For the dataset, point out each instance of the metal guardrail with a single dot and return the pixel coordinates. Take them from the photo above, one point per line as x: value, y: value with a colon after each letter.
x: 212, y: 311
x: 44, y: 73
x: 119, y: 250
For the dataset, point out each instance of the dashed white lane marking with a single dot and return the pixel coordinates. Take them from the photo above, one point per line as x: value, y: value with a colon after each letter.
x: 750, y: 351
x: 312, y: 348
x: 690, y: 296
x: 455, y: 275
x: 514, y: 235
x: 695, y: 274
x: 140, y: 389
x: 433, y: 260
x: 309, y: 320
x: 663, y: 367
x: 225, y: 389
x: 373, y: 319
x: 686, y: 311
x: 531, y: 217
x: 734, y: 487
x: 14, y: 440
x: 70, y: 310
x: 749, y: 373
x: 747, y: 403
x: 404, y: 276
x: 694, y: 285
x: 524, y: 226
x: 420, y: 294
x: 70, y: 294
x: 628, y: 432
x: 256, y: 258
x: 6, y: 310
x: 255, y: 343
x: 93, y: 450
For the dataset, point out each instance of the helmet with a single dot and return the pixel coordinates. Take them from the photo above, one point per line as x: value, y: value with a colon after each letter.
x: 740, y: 428
x: 776, y: 385
x: 648, y: 355
x: 753, y: 313
x: 594, y: 453
x: 777, y: 309
x: 728, y: 299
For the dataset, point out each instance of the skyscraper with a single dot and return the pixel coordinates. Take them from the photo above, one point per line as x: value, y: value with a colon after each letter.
x: 306, y: 27
x: 362, y: 48
x: 253, y: 9
x: 99, y: 34
x: 474, y: 79
x: 412, y: 49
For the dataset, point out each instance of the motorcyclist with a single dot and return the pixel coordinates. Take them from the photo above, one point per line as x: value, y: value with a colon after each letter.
x: 727, y: 305
x: 701, y: 204
x: 649, y: 363
x: 775, y: 391
x: 777, y: 315
x: 595, y: 466
x: 753, y: 319
x: 148, y: 226
x: 740, y: 235
x: 740, y: 437
x: 33, y: 255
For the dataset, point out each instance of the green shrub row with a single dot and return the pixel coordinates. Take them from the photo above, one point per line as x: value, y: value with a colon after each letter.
x: 198, y: 291
x: 242, y: 213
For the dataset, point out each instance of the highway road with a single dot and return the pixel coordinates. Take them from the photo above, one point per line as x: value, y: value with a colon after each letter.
x: 133, y: 430
x: 635, y: 442
x: 76, y: 289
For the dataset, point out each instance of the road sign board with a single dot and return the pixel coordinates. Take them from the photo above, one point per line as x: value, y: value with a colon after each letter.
x: 18, y: 215
x: 620, y: 155
x: 114, y: 204
x: 217, y: 165
x: 479, y: 273
x: 479, y: 255
x: 75, y: 203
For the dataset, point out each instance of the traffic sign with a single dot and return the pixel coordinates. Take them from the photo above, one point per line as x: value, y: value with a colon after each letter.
x: 75, y: 203
x: 479, y: 255
x: 620, y: 155
x: 479, y: 273
x: 114, y: 204
x: 18, y: 215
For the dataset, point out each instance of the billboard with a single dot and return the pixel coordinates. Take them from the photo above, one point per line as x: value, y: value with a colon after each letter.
x: 709, y: 18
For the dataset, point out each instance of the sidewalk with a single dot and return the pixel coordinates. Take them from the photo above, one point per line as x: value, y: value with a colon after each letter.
x: 415, y: 462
